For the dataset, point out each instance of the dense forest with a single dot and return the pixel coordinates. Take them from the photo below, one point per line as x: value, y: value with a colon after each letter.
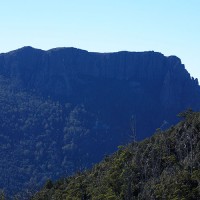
x: 164, y: 166
x: 42, y: 139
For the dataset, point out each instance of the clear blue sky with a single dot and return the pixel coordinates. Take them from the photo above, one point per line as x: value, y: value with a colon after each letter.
x: 168, y: 26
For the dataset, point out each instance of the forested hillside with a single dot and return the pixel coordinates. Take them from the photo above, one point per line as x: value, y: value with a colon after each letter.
x: 165, y: 166
x: 64, y: 109
x: 42, y: 139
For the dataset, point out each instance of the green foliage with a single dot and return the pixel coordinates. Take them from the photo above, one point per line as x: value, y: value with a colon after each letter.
x: 165, y: 166
x: 2, y: 195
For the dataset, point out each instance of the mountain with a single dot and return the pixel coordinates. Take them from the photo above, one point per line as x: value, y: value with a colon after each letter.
x: 104, y: 81
x: 165, y: 166
x: 63, y: 109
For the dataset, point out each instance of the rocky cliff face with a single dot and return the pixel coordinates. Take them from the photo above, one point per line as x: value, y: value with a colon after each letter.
x: 60, y: 65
